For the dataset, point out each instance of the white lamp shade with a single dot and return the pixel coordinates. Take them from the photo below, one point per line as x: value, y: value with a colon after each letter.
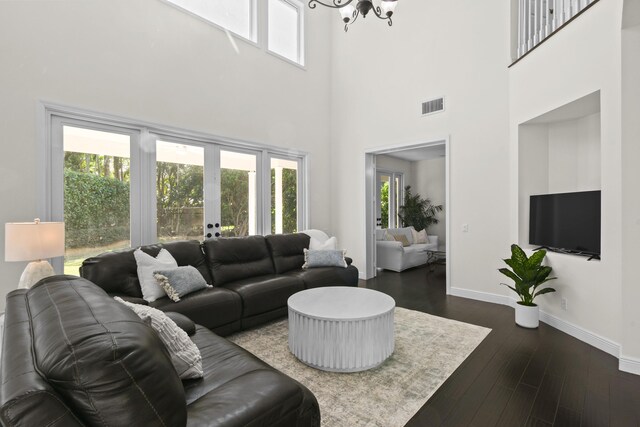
x: 29, y: 241
x: 388, y: 6
x: 347, y: 11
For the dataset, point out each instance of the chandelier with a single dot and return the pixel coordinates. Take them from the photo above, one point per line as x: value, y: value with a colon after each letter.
x: 350, y: 13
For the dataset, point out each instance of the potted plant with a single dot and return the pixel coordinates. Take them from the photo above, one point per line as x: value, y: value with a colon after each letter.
x: 528, y: 273
x: 418, y: 212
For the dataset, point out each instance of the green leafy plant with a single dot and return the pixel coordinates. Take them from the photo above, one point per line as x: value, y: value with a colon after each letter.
x: 418, y: 212
x: 528, y: 273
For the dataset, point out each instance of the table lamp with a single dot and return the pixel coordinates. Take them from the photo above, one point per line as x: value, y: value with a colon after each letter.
x: 33, y: 241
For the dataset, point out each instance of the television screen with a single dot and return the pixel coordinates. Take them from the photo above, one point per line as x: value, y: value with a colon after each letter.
x: 566, y: 221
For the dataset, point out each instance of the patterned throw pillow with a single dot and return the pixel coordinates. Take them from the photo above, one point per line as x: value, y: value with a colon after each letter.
x: 324, y: 258
x: 402, y: 239
x: 185, y: 356
x: 422, y: 237
x: 180, y: 281
x: 146, y: 266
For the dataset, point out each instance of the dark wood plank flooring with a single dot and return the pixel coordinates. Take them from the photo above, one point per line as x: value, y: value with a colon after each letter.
x: 516, y: 376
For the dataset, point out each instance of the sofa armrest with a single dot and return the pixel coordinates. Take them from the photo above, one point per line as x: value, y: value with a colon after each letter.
x: 387, y: 245
x: 432, y: 239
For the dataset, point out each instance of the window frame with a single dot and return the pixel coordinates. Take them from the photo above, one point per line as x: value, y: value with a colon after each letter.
x: 296, y: 4
x: 143, y: 209
x: 302, y: 219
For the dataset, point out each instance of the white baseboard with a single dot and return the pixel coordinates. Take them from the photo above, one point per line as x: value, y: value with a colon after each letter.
x: 629, y: 364
x: 582, y: 334
x: 480, y: 296
x: 569, y: 328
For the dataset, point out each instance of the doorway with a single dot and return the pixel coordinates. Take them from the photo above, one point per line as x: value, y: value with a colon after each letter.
x: 388, y: 171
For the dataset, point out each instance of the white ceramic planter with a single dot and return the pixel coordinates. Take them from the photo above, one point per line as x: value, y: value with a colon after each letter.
x: 526, y: 316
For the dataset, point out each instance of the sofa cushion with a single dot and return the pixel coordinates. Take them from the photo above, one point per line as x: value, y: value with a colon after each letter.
x: 116, y: 272
x: 237, y: 258
x: 287, y: 250
x: 180, y: 281
x: 405, y: 231
x: 185, y: 356
x: 147, y: 264
x: 326, y: 276
x: 98, y: 354
x: 330, y: 244
x: 268, y: 396
x: 324, y: 258
x: 402, y: 239
x: 265, y: 293
x: 210, y: 307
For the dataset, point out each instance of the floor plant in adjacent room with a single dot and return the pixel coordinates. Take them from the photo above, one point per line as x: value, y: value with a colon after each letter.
x: 528, y: 275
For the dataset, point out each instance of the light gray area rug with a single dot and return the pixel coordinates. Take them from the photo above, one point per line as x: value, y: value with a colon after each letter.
x: 427, y: 350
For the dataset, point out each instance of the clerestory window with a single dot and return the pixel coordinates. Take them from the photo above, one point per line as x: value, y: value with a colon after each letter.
x: 237, y: 16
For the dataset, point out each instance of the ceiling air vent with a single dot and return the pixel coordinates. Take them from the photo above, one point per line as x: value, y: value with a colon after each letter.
x: 432, y: 106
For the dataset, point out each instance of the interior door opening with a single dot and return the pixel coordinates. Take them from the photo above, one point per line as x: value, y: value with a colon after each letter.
x: 424, y: 167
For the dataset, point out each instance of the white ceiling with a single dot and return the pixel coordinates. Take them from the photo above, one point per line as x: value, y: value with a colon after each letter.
x: 421, y: 153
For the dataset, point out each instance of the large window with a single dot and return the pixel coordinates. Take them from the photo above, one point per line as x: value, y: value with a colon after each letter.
x: 284, y: 195
x: 390, y: 197
x: 238, y: 194
x: 118, y: 184
x: 285, y: 35
x: 179, y: 191
x: 238, y: 16
x: 96, y: 193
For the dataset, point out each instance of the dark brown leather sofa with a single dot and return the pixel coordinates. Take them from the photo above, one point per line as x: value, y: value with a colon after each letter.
x: 73, y: 356
x: 252, y: 278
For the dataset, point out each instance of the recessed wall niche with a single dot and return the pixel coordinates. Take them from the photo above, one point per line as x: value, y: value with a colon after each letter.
x: 558, y: 152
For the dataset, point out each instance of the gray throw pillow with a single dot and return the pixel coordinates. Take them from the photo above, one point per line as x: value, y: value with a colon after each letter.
x: 185, y: 355
x: 180, y: 281
x: 324, y: 258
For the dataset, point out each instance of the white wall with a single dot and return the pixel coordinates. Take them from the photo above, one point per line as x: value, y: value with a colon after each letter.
x: 630, y: 183
x: 380, y: 75
x: 533, y: 171
x: 146, y: 60
x: 574, y: 155
x: 393, y: 164
x: 429, y: 180
x: 556, y: 157
x: 586, y: 57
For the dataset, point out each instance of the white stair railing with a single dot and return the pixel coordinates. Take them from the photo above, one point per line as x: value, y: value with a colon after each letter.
x: 538, y: 19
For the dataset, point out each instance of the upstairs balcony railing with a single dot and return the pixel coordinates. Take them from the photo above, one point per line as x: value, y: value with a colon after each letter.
x: 538, y: 19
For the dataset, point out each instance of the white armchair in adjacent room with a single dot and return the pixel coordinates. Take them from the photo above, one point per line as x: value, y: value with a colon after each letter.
x: 391, y: 255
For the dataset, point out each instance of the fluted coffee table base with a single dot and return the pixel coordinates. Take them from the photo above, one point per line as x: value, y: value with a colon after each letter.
x: 341, y: 329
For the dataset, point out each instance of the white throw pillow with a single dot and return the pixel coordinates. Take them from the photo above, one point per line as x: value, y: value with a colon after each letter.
x: 330, y: 245
x: 414, y: 234
x: 419, y: 236
x: 147, y: 264
x: 185, y: 356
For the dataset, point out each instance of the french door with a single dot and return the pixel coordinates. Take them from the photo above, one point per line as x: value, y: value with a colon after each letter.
x: 389, y: 198
x: 118, y: 186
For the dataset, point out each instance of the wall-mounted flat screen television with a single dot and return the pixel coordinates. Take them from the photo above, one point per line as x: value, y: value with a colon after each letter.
x: 566, y: 222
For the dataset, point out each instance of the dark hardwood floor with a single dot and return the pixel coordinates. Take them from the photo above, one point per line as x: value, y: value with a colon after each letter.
x: 516, y: 376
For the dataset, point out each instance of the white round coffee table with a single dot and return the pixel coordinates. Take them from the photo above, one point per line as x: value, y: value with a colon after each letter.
x: 340, y: 328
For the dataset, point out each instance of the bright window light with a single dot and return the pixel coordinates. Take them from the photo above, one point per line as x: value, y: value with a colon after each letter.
x: 286, y: 29
x: 237, y: 16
